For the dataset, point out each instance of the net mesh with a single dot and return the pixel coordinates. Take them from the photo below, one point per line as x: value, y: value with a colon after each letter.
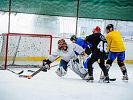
x: 24, y: 49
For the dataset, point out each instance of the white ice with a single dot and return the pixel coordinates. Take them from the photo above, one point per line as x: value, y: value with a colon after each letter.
x: 48, y: 86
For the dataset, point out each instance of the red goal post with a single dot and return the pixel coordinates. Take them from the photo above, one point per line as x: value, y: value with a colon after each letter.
x: 23, y: 49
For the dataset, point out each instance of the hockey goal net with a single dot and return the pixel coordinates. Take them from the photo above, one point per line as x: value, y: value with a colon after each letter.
x: 24, y: 50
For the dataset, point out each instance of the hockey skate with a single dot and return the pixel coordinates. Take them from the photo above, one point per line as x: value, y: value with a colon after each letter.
x: 102, y: 77
x: 106, y: 79
x: 125, y: 77
x: 90, y: 79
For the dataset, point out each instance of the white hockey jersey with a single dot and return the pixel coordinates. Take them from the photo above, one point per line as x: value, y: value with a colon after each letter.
x: 67, y: 55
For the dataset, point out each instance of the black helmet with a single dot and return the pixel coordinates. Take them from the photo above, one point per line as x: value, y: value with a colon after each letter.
x: 109, y: 26
x: 73, y: 37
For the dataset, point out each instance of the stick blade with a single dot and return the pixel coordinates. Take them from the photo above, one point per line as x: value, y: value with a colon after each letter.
x: 20, y: 72
x: 112, y: 79
x: 26, y: 76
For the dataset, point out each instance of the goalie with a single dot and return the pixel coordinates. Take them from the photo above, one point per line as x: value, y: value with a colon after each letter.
x: 68, y: 57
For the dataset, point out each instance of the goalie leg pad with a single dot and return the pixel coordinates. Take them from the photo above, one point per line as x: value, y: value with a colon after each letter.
x: 79, y: 67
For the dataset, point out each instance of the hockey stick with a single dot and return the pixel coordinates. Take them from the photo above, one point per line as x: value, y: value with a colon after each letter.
x: 102, y: 77
x: 112, y: 79
x: 34, y: 73
x: 17, y: 73
x: 30, y: 76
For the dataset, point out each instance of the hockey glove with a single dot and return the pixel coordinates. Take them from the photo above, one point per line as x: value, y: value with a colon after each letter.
x: 46, y: 64
x: 88, y: 51
x: 46, y: 61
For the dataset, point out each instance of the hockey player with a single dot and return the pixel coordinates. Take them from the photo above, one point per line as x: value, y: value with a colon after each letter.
x: 97, y: 40
x: 116, y: 49
x: 83, y: 61
x: 66, y: 52
x: 81, y: 42
x: 84, y: 45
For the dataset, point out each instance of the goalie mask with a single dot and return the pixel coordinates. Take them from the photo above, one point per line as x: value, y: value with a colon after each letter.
x: 62, y: 45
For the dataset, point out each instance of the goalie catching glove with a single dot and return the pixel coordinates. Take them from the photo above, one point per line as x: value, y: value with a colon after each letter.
x: 46, y: 65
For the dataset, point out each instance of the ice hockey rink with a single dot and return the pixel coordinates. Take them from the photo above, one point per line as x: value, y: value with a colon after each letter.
x: 48, y: 86
x: 29, y: 32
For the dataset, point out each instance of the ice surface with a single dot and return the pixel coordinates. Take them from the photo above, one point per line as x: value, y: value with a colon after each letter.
x: 48, y: 86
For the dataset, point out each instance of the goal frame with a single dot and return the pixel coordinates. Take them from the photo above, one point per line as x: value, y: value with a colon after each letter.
x: 22, y: 34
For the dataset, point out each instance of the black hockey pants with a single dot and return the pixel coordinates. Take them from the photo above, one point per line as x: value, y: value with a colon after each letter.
x: 94, y: 57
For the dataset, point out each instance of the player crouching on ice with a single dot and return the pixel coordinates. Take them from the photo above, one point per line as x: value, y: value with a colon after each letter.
x: 68, y: 56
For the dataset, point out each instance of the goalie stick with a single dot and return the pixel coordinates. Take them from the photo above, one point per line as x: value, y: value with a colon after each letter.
x: 36, y: 72
x: 32, y: 71
x: 30, y: 76
x: 17, y: 73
